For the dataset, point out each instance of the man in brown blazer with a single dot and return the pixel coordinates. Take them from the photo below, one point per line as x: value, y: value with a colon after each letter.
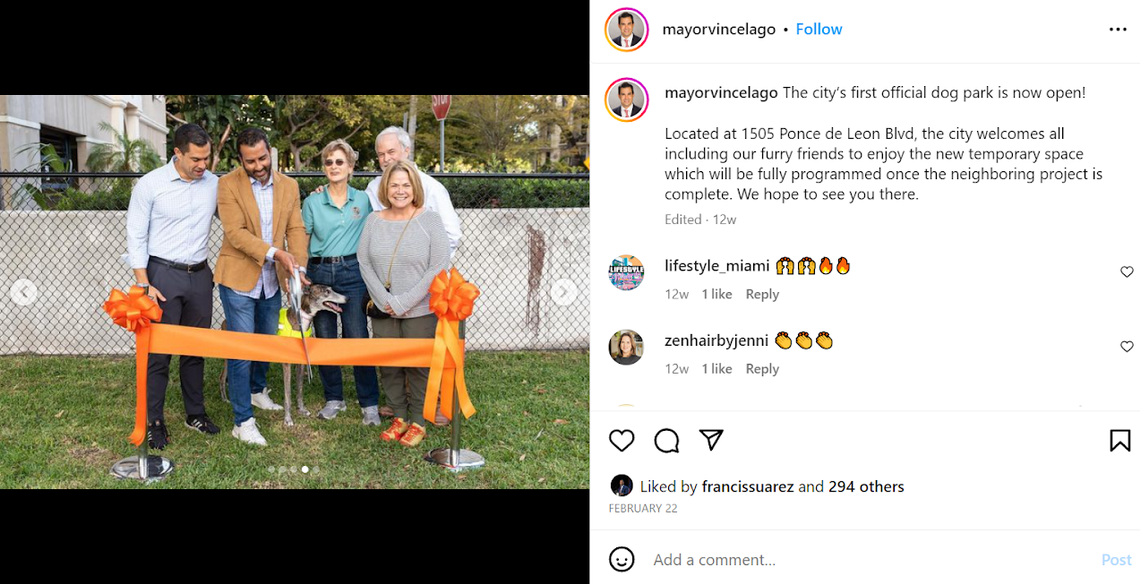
x: 261, y: 216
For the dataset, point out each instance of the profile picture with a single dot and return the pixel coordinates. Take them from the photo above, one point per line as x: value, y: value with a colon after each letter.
x: 626, y: 29
x: 622, y: 485
x: 626, y: 272
x: 626, y: 347
x: 627, y: 99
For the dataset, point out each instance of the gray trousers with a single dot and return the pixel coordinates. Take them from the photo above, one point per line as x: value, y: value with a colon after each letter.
x: 189, y: 302
x: 408, y: 406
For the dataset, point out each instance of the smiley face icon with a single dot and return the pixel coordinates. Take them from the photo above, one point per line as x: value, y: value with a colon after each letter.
x: 621, y: 559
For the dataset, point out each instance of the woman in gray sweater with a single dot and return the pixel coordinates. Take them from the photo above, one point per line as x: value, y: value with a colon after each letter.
x: 402, y: 248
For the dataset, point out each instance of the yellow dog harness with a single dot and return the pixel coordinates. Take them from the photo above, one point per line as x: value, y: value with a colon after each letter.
x: 284, y: 329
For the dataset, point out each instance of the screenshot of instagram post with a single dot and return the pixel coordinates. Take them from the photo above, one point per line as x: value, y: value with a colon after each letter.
x: 864, y: 292
x: 301, y: 292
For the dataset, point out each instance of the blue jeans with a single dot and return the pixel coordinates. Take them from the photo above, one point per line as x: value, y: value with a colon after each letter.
x: 344, y: 278
x: 247, y: 315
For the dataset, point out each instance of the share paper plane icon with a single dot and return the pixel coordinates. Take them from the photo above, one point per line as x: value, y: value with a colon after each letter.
x: 713, y: 436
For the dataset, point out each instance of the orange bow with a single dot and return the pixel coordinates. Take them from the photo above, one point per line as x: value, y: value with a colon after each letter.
x: 132, y: 312
x: 452, y: 300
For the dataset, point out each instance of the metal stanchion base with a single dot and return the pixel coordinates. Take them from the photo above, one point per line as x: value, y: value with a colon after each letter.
x: 128, y: 468
x: 444, y: 457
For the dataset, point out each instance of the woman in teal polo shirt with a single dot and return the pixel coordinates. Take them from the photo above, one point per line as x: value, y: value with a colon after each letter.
x: 334, y: 218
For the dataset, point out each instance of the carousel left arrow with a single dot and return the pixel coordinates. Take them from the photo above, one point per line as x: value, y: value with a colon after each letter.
x: 23, y: 292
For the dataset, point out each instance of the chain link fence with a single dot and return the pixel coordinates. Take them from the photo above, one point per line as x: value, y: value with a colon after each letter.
x: 527, y: 248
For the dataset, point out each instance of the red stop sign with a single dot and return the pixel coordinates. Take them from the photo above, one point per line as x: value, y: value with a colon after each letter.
x: 440, y: 104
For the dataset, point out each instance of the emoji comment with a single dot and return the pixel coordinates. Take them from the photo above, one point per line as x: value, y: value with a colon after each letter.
x: 803, y: 340
x: 806, y: 265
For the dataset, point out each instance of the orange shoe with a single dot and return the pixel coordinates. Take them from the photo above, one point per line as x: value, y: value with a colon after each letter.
x: 394, y: 432
x: 413, y: 436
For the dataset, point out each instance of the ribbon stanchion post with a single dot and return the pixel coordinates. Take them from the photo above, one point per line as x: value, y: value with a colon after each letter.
x: 135, y: 311
x: 452, y: 300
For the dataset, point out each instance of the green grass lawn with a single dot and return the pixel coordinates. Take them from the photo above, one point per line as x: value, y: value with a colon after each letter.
x: 66, y: 420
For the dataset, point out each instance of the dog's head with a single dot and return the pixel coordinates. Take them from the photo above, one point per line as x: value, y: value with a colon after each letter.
x: 318, y: 297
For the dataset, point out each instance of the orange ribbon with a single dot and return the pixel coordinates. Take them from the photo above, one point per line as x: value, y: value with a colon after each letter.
x: 136, y: 312
x: 452, y: 300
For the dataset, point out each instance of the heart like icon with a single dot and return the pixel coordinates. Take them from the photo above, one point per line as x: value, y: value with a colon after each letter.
x: 1126, y: 345
x: 621, y: 439
x: 1126, y: 270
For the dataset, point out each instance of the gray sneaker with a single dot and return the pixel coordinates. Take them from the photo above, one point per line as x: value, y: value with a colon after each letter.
x: 331, y: 409
x: 371, y: 415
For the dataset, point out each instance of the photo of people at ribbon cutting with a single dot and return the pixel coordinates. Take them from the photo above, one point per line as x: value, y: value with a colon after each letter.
x: 359, y: 291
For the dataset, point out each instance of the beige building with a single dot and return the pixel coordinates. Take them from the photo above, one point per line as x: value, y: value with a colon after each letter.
x: 71, y: 124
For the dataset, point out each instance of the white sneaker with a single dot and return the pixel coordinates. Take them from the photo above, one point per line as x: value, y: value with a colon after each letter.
x: 262, y: 401
x: 248, y: 432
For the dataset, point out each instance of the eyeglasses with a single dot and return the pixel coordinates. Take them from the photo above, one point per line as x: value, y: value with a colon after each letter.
x: 338, y: 162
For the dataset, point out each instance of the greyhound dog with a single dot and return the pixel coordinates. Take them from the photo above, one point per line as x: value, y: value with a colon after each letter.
x: 315, y: 298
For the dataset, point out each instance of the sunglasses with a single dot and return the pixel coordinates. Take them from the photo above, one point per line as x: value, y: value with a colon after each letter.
x: 338, y: 162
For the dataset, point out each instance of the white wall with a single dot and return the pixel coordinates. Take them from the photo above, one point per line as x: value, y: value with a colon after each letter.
x: 72, y: 258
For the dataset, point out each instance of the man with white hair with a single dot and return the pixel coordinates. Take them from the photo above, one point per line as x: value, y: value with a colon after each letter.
x: 394, y: 144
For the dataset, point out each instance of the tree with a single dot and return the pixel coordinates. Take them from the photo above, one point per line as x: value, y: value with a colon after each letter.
x: 486, y: 132
x: 412, y: 124
x: 56, y: 193
x: 459, y: 135
x: 305, y: 123
x: 222, y: 117
x: 123, y: 154
x: 561, y: 123
x: 498, y: 122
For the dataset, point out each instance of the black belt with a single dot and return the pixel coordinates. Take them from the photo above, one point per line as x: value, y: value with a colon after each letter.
x: 330, y: 260
x: 180, y: 267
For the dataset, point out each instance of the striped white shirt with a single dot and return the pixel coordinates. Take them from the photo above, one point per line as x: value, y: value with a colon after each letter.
x: 436, y: 198
x: 263, y: 194
x: 169, y: 217
x: 416, y: 252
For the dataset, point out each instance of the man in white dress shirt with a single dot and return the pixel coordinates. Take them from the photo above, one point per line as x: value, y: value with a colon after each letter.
x: 168, y: 229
